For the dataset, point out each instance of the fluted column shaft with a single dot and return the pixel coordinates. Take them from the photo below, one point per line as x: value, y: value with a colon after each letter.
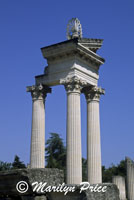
x: 73, y: 88
x: 120, y: 182
x: 37, y: 153
x: 130, y: 179
x: 93, y: 135
x: 74, y: 165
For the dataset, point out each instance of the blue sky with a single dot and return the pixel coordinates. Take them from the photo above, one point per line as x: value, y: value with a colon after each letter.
x: 25, y: 27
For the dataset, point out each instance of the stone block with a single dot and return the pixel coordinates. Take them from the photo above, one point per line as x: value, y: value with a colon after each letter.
x: 112, y: 193
x: 9, y: 179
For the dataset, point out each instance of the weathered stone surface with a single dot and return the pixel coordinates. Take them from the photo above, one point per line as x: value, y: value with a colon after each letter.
x: 42, y: 197
x: 112, y: 193
x: 53, y: 177
x: 76, y: 57
x: 9, y: 179
x: 120, y: 182
x: 130, y: 178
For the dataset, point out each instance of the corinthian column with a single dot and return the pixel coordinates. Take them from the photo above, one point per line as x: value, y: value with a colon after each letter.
x: 37, y: 154
x: 73, y: 88
x: 92, y: 95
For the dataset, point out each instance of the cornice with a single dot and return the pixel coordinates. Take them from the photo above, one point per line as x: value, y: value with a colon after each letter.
x: 70, y: 48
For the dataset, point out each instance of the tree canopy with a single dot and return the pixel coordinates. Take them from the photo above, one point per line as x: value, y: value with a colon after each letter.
x: 119, y: 170
x: 55, y: 152
x: 5, y: 166
x: 56, y: 158
x: 17, y: 164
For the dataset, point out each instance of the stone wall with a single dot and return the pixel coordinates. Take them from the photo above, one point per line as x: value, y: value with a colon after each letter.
x: 112, y: 193
x: 53, y: 177
x: 9, y: 180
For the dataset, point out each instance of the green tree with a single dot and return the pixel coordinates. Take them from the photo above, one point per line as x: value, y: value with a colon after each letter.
x: 119, y: 170
x: 55, y: 152
x: 17, y: 164
x: 56, y: 158
x: 5, y: 166
x: 56, y: 155
x: 84, y: 169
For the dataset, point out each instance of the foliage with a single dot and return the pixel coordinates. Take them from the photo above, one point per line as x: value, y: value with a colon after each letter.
x: 55, y: 152
x: 56, y: 155
x: 5, y: 166
x: 84, y: 169
x: 120, y: 170
x: 17, y: 164
x: 56, y: 158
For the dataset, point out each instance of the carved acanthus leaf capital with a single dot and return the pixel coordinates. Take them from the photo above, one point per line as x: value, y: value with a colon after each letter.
x: 38, y: 91
x: 73, y: 84
x: 93, y: 93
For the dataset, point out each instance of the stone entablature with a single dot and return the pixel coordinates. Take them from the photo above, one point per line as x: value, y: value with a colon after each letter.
x: 82, y: 47
x: 75, y: 57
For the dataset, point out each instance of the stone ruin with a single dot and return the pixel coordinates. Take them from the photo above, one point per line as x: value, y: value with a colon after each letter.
x: 75, y: 64
x: 130, y: 178
x: 53, y: 177
x: 126, y: 184
x: 120, y: 182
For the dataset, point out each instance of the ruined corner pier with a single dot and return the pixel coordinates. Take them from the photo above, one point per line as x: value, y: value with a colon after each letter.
x: 75, y: 64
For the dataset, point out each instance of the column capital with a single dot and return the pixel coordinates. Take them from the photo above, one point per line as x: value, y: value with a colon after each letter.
x: 73, y: 84
x: 38, y: 91
x: 129, y: 161
x: 92, y: 93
